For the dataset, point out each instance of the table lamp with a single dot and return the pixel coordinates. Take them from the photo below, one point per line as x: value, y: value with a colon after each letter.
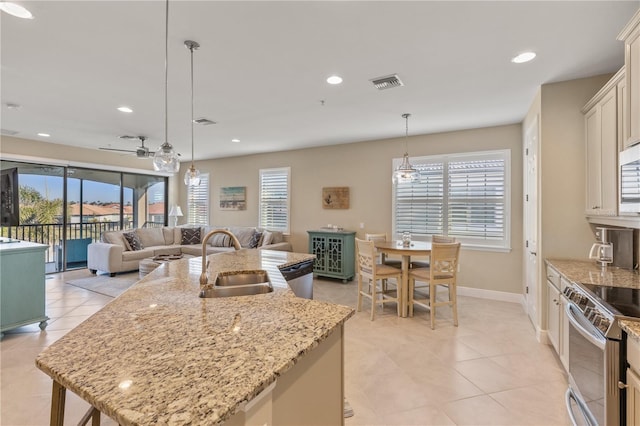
x: 175, y: 212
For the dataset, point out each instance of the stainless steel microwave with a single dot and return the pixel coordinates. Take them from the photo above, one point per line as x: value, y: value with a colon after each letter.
x: 630, y: 180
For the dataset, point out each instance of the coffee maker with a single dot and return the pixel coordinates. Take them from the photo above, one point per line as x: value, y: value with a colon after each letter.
x: 624, y: 248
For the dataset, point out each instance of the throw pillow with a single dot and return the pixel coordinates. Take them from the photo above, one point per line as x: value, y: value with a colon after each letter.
x: 255, y: 239
x: 220, y: 240
x: 133, y: 240
x: 190, y: 236
x: 266, y: 238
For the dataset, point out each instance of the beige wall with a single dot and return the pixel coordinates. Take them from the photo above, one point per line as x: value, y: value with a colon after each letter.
x: 565, y: 231
x: 366, y: 169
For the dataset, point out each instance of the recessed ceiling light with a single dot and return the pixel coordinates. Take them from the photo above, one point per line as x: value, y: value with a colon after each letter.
x: 334, y: 79
x: 125, y: 109
x: 15, y: 10
x: 235, y: 140
x: 44, y: 135
x: 523, y: 57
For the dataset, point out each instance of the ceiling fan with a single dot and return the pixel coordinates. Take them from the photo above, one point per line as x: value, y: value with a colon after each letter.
x: 140, y: 151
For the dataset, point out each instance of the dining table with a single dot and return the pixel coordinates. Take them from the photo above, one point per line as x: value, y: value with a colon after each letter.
x: 397, y: 247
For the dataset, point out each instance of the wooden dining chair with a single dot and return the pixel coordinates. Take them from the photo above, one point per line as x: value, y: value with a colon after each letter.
x: 370, y: 271
x: 441, y: 272
x: 384, y: 259
x: 434, y: 239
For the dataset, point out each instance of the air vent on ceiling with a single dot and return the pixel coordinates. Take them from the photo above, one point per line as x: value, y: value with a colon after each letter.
x: 387, y: 82
x: 8, y: 132
x: 203, y: 121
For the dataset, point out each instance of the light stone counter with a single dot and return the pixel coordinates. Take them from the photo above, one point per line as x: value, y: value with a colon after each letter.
x: 588, y: 272
x: 159, y: 354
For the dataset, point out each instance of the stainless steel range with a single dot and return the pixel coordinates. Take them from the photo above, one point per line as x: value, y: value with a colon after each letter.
x: 597, y: 352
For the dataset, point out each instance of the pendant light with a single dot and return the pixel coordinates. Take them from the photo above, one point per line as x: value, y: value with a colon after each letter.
x: 192, y: 176
x: 165, y: 158
x: 406, y: 173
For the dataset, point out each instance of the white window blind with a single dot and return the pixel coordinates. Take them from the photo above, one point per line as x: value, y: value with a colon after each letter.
x: 461, y: 195
x: 274, y: 199
x: 198, y: 202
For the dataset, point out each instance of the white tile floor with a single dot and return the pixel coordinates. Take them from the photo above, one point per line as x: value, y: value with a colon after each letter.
x: 490, y: 370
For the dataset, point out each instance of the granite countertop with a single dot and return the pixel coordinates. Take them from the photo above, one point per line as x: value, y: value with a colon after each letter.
x: 588, y: 272
x: 631, y: 327
x: 159, y: 354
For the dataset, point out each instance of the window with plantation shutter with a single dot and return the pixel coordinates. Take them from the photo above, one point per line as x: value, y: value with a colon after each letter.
x: 198, y: 202
x: 274, y: 199
x: 460, y: 195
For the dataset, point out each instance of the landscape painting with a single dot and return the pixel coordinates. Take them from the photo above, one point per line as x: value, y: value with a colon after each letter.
x: 233, y: 198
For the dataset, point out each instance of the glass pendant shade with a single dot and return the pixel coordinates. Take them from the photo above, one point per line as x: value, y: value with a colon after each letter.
x: 192, y: 176
x: 165, y: 159
x: 406, y: 173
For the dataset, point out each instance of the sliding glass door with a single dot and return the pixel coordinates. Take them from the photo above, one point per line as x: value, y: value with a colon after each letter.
x: 67, y: 208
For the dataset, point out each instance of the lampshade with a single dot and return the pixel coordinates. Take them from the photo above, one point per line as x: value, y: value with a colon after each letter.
x: 406, y: 173
x: 175, y: 211
x: 165, y: 158
x: 192, y: 176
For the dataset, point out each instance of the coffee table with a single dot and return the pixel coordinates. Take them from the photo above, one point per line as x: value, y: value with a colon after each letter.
x: 149, y: 264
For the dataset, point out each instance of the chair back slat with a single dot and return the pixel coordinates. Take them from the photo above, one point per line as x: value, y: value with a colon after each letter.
x: 442, y: 239
x: 444, y: 260
x: 366, y: 257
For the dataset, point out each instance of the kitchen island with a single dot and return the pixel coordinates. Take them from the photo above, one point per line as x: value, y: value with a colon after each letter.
x: 159, y: 354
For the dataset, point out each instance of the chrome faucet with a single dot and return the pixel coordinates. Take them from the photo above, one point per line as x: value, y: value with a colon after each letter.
x: 204, y: 278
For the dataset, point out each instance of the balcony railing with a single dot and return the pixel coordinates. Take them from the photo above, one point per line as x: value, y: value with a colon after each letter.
x: 51, y: 234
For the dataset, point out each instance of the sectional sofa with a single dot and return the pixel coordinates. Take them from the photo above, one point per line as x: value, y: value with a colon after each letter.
x: 122, y: 251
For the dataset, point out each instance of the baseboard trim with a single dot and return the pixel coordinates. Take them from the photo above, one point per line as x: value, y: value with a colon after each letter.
x: 502, y: 296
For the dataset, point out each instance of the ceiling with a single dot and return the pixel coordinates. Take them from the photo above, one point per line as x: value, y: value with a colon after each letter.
x: 260, y: 72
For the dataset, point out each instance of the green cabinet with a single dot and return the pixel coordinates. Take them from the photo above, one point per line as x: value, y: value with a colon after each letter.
x: 22, y: 291
x: 334, y: 252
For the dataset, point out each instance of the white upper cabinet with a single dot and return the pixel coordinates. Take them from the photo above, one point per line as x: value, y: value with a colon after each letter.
x: 631, y: 37
x: 601, y: 132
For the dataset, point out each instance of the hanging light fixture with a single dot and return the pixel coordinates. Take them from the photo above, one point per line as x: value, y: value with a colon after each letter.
x: 192, y: 176
x: 165, y: 158
x: 406, y: 173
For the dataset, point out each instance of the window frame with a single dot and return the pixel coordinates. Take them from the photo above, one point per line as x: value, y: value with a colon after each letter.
x: 502, y: 245
x: 262, y: 202
x: 194, y: 218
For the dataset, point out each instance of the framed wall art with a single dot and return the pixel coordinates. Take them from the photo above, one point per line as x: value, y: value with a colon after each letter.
x: 335, y: 197
x: 233, y: 198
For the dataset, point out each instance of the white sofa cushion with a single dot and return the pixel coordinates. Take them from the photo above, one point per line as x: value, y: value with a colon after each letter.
x: 115, y: 237
x: 168, y: 235
x: 244, y: 234
x: 150, y: 237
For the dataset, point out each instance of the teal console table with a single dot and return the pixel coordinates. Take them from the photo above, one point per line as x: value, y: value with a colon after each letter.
x: 22, y: 291
x: 334, y: 252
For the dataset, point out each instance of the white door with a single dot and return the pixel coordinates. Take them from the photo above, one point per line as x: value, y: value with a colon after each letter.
x: 531, y: 221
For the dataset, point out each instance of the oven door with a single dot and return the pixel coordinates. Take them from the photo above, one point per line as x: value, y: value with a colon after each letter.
x: 590, y: 376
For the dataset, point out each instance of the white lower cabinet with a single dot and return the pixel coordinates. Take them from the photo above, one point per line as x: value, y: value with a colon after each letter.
x: 557, y: 321
x: 553, y: 316
x: 633, y: 382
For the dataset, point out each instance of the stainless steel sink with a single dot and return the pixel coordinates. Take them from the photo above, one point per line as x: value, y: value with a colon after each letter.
x: 238, y: 283
x: 234, y: 278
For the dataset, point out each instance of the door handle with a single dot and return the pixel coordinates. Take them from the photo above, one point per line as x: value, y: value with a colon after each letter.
x: 533, y: 253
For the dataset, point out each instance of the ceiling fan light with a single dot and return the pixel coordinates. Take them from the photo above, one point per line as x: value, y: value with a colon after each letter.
x: 165, y: 159
x: 192, y: 176
x: 16, y: 10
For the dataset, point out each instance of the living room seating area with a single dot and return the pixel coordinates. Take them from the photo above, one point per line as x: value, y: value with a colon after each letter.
x: 122, y: 251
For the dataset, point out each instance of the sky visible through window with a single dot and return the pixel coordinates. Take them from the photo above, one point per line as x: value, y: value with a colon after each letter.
x: 51, y: 188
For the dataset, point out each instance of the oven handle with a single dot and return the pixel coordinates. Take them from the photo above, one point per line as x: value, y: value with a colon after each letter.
x: 591, y: 335
x: 569, y: 395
